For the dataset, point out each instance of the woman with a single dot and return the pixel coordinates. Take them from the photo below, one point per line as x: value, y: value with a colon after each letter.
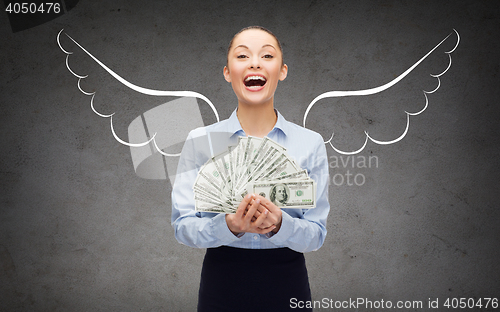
x: 254, y: 259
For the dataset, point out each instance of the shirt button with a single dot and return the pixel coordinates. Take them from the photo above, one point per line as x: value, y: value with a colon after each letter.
x: 255, y: 237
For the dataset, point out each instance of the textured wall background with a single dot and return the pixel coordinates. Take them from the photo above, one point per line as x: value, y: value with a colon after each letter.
x: 80, y: 231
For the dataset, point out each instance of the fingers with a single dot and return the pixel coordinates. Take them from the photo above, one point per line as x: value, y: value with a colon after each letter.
x: 260, y: 219
x: 262, y: 225
x: 243, y: 205
x: 252, y: 209
x: 259, y: 222
x: 259, y: 210
x: 251, y: 216
x: 275, y: 213
x: 268, y: 204
x: 267, y: 222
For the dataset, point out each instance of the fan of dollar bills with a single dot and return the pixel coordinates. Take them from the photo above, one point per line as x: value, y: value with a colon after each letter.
x: 256, y: 165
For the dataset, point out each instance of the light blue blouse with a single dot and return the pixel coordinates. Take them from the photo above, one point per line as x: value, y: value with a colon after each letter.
x: 302, y: 230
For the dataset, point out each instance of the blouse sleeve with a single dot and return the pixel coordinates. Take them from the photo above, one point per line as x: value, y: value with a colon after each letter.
x: 190, y: 227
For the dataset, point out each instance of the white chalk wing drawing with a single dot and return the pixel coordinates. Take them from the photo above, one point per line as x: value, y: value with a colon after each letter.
x: 383, y: 88
x: 151, y: 147
x: 133, y: 87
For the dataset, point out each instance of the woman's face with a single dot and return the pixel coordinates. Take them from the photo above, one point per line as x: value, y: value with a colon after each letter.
x: 254, y: 67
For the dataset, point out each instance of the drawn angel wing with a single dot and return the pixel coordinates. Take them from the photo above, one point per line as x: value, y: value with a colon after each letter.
x: 384, y: 87
x: 152, y: 138
x: 172, y: 120
x: 148, y: 155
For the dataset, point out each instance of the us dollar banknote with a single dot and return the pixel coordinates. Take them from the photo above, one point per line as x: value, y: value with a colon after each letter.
x: 286, y: 193
x: 254, y: 165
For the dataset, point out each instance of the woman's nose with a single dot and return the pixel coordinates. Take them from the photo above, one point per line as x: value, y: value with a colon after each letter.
x: 255, y: 62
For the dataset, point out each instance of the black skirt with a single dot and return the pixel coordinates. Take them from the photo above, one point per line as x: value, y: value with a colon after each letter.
x: 237, y: 279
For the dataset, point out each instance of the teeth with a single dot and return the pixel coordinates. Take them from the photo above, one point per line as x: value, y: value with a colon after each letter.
x: 255, y: 78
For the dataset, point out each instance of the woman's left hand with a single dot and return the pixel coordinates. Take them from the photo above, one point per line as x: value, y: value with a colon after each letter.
x: 273, y: 217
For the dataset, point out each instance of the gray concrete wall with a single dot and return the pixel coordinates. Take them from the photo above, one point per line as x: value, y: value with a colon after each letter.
x: 80, y: 231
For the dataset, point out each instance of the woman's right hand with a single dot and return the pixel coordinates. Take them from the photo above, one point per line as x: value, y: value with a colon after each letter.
x: 241, y: 221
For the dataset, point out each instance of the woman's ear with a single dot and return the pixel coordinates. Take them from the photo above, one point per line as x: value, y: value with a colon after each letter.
x: 283, y: 72
x: 226, y: 74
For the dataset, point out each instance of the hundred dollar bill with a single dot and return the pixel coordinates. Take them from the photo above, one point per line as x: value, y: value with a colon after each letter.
x: 237, y: 159
x: 215, y: 202
x: 222, y: 166
x: 282, y: 166
x: 210, y: 174
x: 287, y: 194
x: 208, y: 207
x: 231, y: 162
x: 209, y: 195
x: 249, y: 149
x: 207, y: 181
x: 272, y: 169
x: 299, y: 175
x: 266, y: 163
x: 262, y: 152
x: 224, y: 179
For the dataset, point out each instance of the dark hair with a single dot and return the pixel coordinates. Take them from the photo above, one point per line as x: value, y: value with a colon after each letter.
x: 259, y: 28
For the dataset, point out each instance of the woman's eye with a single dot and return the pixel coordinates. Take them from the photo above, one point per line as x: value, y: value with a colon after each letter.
x: 241, y: 56
x: 268, y: 56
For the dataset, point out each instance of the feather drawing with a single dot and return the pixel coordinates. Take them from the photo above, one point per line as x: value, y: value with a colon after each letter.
x: 383, y: 88
x: 151, y: 140
x: 133, y: 87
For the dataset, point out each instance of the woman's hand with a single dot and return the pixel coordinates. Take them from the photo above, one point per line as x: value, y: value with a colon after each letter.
x: 245, y: 218
x: 274, y: 216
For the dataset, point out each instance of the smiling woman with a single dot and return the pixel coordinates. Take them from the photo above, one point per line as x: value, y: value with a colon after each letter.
x: 254, y: 67
x: 260, y: 246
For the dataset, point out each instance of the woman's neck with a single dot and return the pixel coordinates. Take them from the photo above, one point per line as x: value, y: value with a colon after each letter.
x: 257, y: 120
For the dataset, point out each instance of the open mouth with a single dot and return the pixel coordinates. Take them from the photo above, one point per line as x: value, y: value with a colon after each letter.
x: 255, y: 82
